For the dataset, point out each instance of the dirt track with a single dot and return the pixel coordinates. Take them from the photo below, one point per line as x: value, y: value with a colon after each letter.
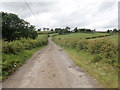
x: 50, y: 68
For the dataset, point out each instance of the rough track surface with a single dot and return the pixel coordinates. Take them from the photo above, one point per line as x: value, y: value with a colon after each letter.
x: 50, y: 67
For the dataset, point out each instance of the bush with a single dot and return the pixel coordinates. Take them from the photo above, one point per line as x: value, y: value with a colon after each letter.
x: 101, y: 48
x: 23, y: 44
x: 82, y: 45
x: 12, y: 59
x: 14, y: 28
x: 95, y: 46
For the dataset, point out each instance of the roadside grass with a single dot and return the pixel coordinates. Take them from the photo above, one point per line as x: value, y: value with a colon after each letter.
x: 18, y: 59
x: 15, y: 53
x: 98, y: 57
x: 104, y: 73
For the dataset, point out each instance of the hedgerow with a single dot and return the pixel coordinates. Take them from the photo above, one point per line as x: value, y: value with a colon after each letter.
x: 23, y: 44
x: 14, y: 53
x: 102, y: 49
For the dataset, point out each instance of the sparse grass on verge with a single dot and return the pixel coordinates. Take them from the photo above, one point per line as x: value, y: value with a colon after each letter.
x: 106, y: 74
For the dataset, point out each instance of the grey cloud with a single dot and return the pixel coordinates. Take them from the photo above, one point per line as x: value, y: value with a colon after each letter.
x: 73, y: 14
x: 22, y: 9
x: 106, y: 6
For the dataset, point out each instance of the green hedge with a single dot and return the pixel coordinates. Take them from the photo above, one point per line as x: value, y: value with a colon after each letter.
x: 23, y: 44
x: 102, y: 49
x: 16, y: 52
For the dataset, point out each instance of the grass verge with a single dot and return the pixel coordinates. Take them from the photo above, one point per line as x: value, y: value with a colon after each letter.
x: 18, y: 60
x: 105, y: 74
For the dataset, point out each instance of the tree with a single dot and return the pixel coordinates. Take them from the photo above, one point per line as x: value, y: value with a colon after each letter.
x: 57, y: 30
x: 83, y: 30
x: 39, y: 29
x: 108, y: 31
x: 52, y: 30
x: 67, y: 28
x: 14, y: 28
x: 88, y: 30
x: 44, y: 29
x: 115, y: 30
x: 60, y: 31
x: 47, y: 29
x: 75, y: 30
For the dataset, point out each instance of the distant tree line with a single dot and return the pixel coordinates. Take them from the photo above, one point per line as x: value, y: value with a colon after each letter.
x: 15, y: 28
x: 45, y: 29
x: 83, y: 30
x: 67, y: 30
x: 56, y: 30
x: 113, y: 31
x: 62, y: 31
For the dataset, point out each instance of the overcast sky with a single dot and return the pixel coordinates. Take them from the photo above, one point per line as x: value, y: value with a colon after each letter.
x: 93, y: 14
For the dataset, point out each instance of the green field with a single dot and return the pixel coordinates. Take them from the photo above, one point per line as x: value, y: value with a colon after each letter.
x: 45, y: 32
x: 54, y: 34
x: 81, y: 35
x: 113, y: 38
x: 98, y: 57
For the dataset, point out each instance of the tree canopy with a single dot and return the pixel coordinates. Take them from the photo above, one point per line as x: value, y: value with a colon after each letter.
x: 15, y: 28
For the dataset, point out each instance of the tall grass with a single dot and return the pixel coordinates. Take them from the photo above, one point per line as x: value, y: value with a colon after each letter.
x: 104, y: 73
x: 101, y: 48
x: 99, y: 57
x: 23, y: 44
x: 16, y: 52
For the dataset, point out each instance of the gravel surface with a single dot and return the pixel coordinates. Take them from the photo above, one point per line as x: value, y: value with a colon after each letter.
x: 50, y: 67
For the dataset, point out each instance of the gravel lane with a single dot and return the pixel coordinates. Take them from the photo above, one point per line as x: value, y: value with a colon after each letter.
x: 50, y: 67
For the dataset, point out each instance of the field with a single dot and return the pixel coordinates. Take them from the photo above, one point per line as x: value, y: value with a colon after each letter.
x: 81, y: 35
x: 113, y: 38
x: 45, y: 32
x: 15, y: 53
x: 98, y: 57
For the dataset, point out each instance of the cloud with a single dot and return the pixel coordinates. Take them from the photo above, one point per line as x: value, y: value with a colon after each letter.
x: 92, y: 14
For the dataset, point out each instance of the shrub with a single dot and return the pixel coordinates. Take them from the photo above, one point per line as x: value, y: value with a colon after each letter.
x: 101, y: 48
x: 82, y: 44
x: 23, y: 44
x: 11, y: 61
